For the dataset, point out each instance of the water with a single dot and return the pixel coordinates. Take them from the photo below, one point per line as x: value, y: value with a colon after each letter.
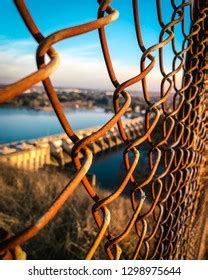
x: 21, y: 124
x: 111, y: 164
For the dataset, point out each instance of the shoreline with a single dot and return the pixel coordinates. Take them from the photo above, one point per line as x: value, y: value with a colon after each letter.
x: 50, y: 108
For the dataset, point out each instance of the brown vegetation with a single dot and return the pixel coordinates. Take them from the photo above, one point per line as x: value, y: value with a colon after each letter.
x: 25, y: 195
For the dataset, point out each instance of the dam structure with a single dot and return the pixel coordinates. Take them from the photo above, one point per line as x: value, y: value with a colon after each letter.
x: 56, y: 149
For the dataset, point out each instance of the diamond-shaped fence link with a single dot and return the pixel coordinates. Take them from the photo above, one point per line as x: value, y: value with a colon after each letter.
x: 167, y: 204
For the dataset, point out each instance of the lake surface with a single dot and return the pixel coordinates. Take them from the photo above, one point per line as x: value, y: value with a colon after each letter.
x: 21, y: 124
x: 111, y: 164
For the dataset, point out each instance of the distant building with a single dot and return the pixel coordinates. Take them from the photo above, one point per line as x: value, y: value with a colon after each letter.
x: 27, y: 91
x: 109, y: 93
x: 137, y: 109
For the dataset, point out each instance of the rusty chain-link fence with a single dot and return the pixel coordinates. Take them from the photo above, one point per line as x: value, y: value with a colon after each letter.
x: 166, y: 202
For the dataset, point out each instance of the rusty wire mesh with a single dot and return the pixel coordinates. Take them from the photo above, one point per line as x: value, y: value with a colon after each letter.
x: 174, y: 130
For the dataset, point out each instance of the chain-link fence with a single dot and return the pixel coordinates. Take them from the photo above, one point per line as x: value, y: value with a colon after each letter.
x: 167, y: 199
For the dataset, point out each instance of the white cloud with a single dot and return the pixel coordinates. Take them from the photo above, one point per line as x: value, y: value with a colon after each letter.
x: 81, y: 66
x: 17, y: 59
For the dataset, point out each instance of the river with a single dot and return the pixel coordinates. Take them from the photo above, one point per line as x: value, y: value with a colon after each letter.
x: 21, y: 124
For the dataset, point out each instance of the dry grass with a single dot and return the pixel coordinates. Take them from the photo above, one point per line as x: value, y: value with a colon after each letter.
x: 25, y: 195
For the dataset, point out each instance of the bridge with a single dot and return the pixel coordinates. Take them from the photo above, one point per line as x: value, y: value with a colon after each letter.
x: 56, y: 149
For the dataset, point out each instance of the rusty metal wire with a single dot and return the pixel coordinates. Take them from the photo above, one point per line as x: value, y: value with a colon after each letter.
x: 165, y: 203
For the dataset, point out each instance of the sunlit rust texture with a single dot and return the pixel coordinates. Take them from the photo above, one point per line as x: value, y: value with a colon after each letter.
x: 166, y: 202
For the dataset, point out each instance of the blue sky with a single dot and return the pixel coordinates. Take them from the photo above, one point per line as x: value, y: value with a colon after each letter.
x: 80, y: 56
